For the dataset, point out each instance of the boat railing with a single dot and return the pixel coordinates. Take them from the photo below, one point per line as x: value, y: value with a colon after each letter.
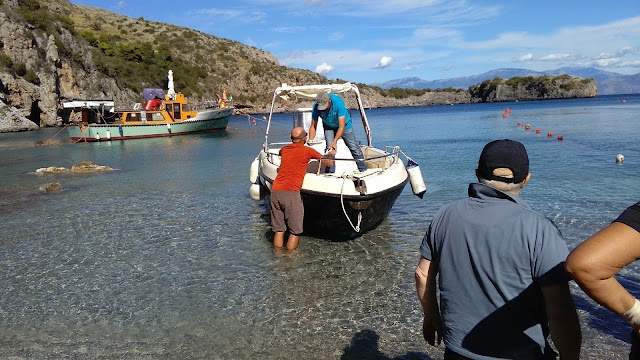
x: 373, y: 160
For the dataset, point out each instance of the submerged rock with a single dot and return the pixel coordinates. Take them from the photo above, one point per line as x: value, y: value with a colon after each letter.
x: 51, y: 187
x: 83, y: 167
x: 88, y: 166
x: 51, y: 170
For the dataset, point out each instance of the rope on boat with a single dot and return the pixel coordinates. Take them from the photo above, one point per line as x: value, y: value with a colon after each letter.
x: 49, y: 140
x: 254, y: 121
x: 405, y: 155
x: 357, y: 227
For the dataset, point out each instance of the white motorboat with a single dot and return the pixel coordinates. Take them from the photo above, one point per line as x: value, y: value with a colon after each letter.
x: 346, y: 203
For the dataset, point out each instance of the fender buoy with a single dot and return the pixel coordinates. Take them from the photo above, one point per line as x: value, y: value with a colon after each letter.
x: 560, y: 137
x: 253, y: 171
x: 549, y: 134
x: 619, y: 158
x: 527, y: 127
x: 519, y: 123
x: 415, y: 178
x: 108, y: 135
x: 257, y: 192
x: 81, y: 127
x: 538, y: 131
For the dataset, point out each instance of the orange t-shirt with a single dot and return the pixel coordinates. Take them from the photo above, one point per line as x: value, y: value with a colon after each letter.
x: 293, y: 165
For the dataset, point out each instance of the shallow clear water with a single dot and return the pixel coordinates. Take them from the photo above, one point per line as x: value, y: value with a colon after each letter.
x: 167, y: 257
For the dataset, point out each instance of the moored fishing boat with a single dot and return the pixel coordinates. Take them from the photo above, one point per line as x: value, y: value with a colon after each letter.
x: 347, y: 202
x: 160, y: 115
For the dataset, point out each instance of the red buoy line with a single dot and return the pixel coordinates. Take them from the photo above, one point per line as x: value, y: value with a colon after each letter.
x: 527, y: 126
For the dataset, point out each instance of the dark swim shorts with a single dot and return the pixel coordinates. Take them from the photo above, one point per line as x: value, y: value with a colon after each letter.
x: 286, y: 211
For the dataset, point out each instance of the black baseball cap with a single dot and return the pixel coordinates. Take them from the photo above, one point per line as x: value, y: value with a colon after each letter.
x: 505, y: 153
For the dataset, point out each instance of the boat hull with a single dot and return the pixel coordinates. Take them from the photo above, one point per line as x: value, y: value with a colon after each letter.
x: 325, y: 217
x: 210, y: 121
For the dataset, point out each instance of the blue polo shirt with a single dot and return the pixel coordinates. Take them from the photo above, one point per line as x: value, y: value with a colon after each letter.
x: 330, y: 116
x: 493, y: 254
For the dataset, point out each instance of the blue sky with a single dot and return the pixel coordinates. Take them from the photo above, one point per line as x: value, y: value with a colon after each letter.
x: 372, y: 41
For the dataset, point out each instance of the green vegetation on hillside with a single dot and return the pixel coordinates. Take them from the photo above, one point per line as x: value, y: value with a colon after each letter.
x: 541, y: 85
x: 139, y: 64
x: 399, y: 93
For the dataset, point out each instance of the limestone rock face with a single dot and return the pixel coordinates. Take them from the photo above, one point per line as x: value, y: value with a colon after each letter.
x: 58, y: 78
x: 12, y: 120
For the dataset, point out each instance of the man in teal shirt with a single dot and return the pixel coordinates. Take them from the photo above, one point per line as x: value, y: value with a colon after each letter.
x: 336, y: 121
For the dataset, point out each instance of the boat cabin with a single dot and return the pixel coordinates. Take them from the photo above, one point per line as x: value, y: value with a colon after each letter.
x: 159, y: 107
x: 88, y: 111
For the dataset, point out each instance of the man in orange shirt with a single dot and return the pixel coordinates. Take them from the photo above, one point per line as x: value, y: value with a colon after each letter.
x: 287, y: 210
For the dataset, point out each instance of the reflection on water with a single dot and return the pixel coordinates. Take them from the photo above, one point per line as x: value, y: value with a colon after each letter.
x: 167, y: 257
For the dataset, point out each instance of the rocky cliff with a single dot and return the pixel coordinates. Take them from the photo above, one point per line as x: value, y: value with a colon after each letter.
x: 533, y: 88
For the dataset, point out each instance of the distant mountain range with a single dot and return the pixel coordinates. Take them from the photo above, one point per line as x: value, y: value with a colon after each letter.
x: 609, y: 83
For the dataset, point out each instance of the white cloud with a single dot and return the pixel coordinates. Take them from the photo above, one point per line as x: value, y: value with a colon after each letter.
x: 384, y: 62
x: 635, y: 63
x: 607, y: 62
x: 324, y: 69
x: 557, y: 57
x: 527, y: 57
x: 429, y: 35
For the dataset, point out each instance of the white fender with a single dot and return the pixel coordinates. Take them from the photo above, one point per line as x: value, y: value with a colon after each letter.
x: 253, y: 172
x: 256, y: 192
x: 108, y: 135
x: 415, y: 178
x: 97, y: 136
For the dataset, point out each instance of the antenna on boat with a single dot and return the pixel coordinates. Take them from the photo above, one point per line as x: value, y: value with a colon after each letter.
x: 171, y: 93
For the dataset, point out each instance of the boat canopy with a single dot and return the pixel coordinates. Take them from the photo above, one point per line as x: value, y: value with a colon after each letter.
x: 90, y: 104
x: 309, y: 92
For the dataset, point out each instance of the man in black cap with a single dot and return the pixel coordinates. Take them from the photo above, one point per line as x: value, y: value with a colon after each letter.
x: 500, y: 270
